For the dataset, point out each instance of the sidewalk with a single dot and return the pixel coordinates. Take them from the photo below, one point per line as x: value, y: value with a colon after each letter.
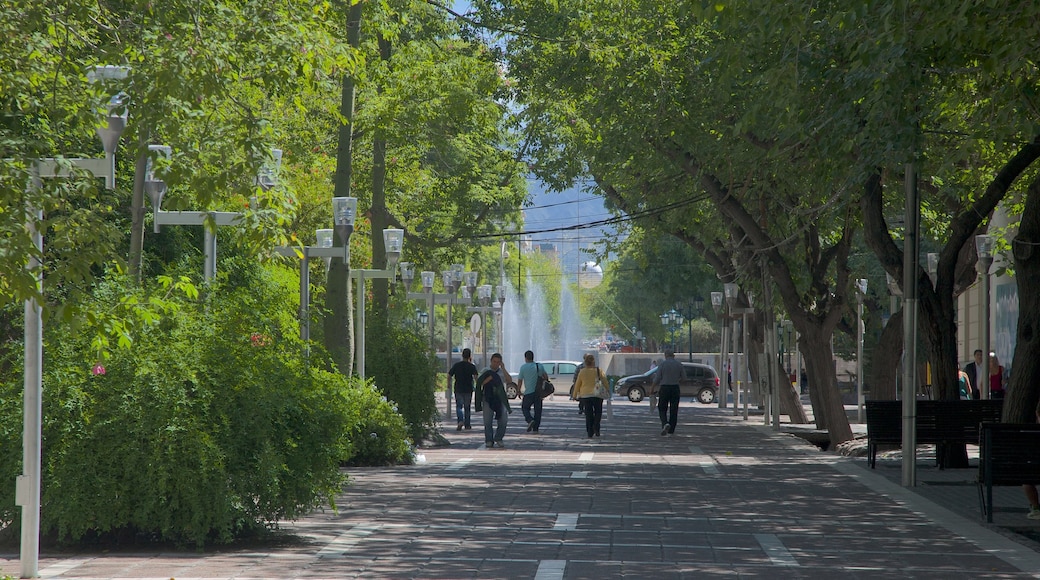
x: 722, y: 497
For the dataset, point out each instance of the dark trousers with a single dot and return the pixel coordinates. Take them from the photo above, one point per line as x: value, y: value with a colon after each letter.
x: 668, y: 406
x: 463, y: 402
x: 593, y: 414
x: 532, y: 400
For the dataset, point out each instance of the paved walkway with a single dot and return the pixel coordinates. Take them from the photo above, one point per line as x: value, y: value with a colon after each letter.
x: 720, y: 498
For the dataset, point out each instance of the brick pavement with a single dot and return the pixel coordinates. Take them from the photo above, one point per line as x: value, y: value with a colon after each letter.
x: 720, y: 498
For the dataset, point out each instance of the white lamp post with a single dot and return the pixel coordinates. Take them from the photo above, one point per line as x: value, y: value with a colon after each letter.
x: 452, y: 279
x: 861, y: 287
x: 730, y: 290
x: 156, y: 188
x: 747, y: 362
x: 984, y: 247
x: 323, y: 249
x: 393, y: 242
x: 29, y: 483
x: 716, y: 304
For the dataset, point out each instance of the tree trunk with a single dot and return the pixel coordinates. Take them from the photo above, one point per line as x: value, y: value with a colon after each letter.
x: 790, y: 401
x: 939, y: 328
x: 1024, y: 387
x: 884, y: 364
x: 338, y: 324
x: 819, y: 365
x: 137, y: 210
x: 379, y: 215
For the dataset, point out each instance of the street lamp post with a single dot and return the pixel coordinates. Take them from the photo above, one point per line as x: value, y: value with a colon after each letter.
x: 861, y: 287
x: 984, y: 247
x: 452, y: 280
x: 29, y: 484
x: 730, y: 291
x: 672, y: 320
x: 690, y: 311
x: 156, y: 189
x: 716, y: 304
x: 747, y: 362
x: 483, y: 294
x: 393, y: 240
x: 325, y: 250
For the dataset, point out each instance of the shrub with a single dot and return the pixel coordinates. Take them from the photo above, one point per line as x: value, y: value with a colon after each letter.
x: 210, y: 425
x: 405, y: 371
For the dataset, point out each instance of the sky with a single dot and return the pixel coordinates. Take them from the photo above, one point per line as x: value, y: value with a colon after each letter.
x: 554, y: 211
x: 551, y: 210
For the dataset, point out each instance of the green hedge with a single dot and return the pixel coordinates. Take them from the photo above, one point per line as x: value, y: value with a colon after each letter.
x: 405, y: 370
x: 209, y: 426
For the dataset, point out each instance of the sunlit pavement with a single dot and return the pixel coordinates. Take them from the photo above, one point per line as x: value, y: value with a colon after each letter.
x: 722, y: 497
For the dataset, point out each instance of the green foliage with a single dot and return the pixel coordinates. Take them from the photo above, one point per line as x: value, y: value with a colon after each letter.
x: 405, y: 371
x: 208, y: 425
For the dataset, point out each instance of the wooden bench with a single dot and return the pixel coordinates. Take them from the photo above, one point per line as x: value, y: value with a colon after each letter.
x: 1009, y: 454
x: 939, y: 423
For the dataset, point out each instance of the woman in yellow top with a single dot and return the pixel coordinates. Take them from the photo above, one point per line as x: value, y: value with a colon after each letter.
x: 585, y: 391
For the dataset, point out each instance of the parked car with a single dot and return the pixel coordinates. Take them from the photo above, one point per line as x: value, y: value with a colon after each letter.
x: 699, y: 381
x: 560, y: 372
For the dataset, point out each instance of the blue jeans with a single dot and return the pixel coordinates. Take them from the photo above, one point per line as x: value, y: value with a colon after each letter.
x: 490, y: 414
x: 463, y: 400
x: 532, y: 400
x: 668, y: 406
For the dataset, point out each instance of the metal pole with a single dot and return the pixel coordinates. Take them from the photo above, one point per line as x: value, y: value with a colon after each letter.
x: 447, y: 353
x: 777, y: 363
x: 305, y: 297
x: 690, y: 326
x: 27, y: 490
x: 859, y: 358
x: 361, y: 323
x: 910, y: 266
x: 735, y: 368
x: 723, y: 366
x: 747, y: 361
x: 986, y: 346
x: 209, y: 251
x: 430, y: 319
x: 484, y: 333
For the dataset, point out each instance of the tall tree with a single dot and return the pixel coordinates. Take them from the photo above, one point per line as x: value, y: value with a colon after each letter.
x: 338, y: 322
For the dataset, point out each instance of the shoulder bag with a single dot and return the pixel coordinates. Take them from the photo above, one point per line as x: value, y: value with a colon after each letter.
x: 600, y: 391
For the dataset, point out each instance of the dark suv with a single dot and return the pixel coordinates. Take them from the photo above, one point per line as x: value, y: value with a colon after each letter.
x: 699, y: 380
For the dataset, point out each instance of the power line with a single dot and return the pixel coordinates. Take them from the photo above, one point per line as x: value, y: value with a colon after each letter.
x: 595, y: 224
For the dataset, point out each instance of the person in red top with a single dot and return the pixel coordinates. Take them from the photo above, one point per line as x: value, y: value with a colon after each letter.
x: 996, y: 378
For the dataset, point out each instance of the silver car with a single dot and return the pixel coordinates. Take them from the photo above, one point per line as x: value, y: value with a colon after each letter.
x: 561, y: 374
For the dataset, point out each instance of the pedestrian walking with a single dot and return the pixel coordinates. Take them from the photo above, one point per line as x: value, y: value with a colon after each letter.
x: 976, y: 374
x: 590, y: 388
x: 464, y: 372
x: 666, y: 384
x: 997, y: 380
x: 492, y: 402
x: 527, y: 384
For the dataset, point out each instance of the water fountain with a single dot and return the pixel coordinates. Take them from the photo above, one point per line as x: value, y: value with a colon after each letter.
x: 527, y: 325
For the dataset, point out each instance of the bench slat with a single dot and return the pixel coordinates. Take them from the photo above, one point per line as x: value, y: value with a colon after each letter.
x: 1009, y: 454
x: 942, y: 423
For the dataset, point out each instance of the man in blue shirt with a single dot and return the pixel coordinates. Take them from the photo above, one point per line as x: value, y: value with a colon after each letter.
x: 529, y: 373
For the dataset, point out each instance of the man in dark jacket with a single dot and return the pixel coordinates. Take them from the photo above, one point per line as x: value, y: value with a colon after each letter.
x: 493, y: 403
